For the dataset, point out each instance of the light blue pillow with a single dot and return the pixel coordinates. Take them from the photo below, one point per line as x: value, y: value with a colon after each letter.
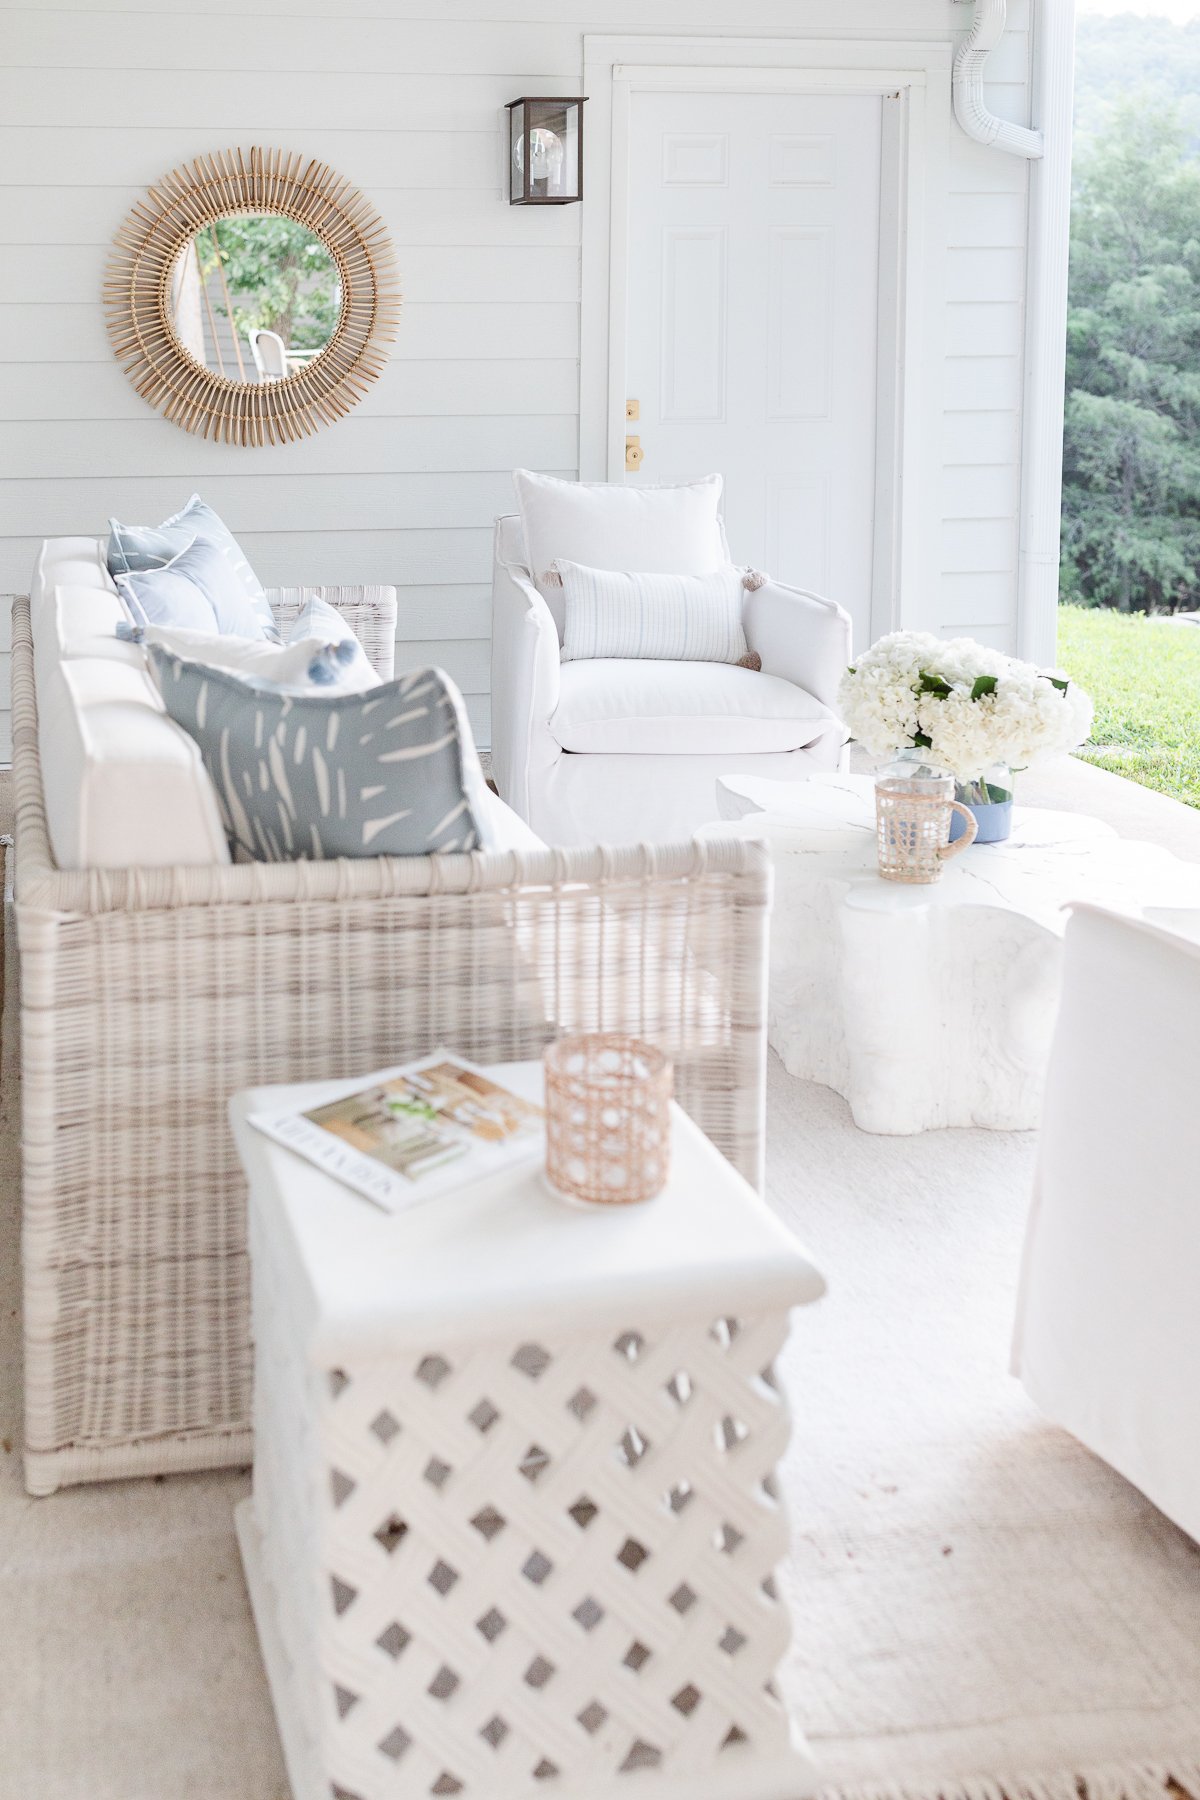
x: 135, y: 549
x: 391, y: 772
x: 195, y: 591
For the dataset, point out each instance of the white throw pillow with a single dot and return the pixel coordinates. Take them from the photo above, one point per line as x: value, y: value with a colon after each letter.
x: 319, y: 621
x: 309, y: 665
x: 673, y: 618
x: 659, y: 530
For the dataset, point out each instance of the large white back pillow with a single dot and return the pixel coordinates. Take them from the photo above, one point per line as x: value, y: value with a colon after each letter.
x: 657, y: 530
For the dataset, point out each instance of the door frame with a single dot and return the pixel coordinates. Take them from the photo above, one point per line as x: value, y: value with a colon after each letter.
x: 913, y: 79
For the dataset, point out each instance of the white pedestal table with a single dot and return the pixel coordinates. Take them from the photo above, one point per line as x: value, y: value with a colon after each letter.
x: 929, y: 1006
x: 514, y: 1521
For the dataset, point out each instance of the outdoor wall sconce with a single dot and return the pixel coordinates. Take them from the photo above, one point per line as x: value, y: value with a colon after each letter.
x: 545, y: 143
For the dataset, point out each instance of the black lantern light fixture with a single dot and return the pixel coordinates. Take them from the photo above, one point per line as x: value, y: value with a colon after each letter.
x: 545, y: 150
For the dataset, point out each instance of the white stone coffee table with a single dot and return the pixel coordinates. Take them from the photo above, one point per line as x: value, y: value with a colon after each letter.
x: 928, y: 1006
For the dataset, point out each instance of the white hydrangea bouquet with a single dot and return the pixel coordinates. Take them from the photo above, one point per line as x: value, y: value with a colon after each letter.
x: 967, y: 707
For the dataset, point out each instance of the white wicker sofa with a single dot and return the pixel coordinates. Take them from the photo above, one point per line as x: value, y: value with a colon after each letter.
x: 149, y: 994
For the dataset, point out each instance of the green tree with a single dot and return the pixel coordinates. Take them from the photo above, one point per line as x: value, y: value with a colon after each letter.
x: 1131, y: 470
x: 281, y: 278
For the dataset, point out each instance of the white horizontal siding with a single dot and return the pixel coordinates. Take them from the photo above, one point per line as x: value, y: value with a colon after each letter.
x: 152, y: 447
x: 264, y: 503
x: 62, y: 273
x: 984, y: 328
x: 413, y: 558
x: 436, y: 388
x: 986, y: 225
x: 437, y: 215
x: 981, y: 384
x: 404, y: 97
x: 491, y: 330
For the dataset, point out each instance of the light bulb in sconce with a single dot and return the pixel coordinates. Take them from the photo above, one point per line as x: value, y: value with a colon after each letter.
x: 546, y: 156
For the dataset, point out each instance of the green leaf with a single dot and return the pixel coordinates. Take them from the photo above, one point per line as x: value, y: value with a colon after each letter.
x: 852, y: 670
x: 921, y: 742
x: 1058, y: 682
x: 983, y: 684
x: 933, y: 684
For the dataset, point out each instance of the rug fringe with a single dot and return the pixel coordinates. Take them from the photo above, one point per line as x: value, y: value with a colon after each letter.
x: 1176, y: 1778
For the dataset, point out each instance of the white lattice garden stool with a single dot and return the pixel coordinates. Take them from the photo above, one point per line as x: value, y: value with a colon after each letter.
x: 514, y: 1523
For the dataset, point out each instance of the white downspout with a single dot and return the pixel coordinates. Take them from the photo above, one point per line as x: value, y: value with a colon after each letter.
x: 970, y: 104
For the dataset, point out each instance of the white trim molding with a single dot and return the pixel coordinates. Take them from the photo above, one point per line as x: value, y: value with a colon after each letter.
x: 916, y: 78
x: 970, y: 102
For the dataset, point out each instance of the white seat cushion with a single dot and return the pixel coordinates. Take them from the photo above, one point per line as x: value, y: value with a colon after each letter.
x: 124, y: 786
x: 79, y: 622
x: 502, y: 828
x: 644, y: 708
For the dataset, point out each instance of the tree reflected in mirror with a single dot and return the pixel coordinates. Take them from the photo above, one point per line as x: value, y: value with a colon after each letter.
x: 255, y: 297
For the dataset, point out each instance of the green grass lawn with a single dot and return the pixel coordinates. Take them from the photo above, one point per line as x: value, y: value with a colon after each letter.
x: 1144, y: 676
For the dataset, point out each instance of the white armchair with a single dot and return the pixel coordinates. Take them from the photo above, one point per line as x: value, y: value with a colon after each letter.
x: 620, y: 752
x: 1108, y: 1332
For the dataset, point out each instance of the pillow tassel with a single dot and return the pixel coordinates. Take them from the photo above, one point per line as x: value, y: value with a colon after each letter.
x: 753, y: 579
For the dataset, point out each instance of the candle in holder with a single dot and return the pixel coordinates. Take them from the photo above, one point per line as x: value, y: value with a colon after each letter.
x: 608, y: 1119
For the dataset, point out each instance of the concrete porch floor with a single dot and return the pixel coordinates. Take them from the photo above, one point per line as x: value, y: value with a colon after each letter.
x: 1070, y: 785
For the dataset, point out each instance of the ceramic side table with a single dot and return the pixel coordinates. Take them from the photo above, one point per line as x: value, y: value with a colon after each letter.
x: 514, y: 1521
x: 928, y: 1006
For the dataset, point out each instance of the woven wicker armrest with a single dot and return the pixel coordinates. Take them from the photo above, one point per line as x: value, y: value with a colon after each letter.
x: 370, y: 611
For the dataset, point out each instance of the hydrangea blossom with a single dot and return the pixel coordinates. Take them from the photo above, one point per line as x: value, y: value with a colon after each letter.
x: 968, y: 706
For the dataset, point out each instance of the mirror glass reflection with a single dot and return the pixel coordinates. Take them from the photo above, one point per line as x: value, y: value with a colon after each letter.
x: 254, y: 297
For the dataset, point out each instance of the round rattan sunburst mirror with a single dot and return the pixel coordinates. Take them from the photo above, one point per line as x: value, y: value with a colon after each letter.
x: 173, y: 311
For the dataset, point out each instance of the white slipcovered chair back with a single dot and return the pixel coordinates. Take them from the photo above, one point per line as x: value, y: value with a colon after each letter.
x: 1108, y: 1331
x: 270, y: 355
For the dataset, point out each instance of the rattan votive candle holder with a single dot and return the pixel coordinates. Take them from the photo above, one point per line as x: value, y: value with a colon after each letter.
x: 608, y: 1119
x: 912, y: 829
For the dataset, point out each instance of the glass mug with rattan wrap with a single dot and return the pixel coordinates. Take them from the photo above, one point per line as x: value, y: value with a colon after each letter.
x: 912, y: 825
x: 608, y: 1119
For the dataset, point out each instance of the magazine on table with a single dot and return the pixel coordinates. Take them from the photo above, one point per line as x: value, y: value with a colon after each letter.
x: 412, y: 1133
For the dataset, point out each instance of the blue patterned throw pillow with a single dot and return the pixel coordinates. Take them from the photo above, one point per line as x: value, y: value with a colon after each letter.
x: 226, y: 578
x: 389, y: 772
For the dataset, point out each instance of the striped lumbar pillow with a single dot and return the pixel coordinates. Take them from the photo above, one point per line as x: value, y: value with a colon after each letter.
x: 673, y: 618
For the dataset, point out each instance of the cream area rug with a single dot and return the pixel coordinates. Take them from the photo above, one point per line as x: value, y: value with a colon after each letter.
x: 983, y: 1611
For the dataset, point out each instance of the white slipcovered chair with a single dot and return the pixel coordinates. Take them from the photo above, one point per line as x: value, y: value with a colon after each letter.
x: 623, y: 751
x: 1107, y: 1339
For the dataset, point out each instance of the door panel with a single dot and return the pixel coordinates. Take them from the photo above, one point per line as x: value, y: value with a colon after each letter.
x: 752, y: 320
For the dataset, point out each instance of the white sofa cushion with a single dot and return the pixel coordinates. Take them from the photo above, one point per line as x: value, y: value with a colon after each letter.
x: 676, y: 618
x: 73, y: 561
x: 658, y: 530
x: 124, y: 786
x: 73, y: 622
x: 643, y: 708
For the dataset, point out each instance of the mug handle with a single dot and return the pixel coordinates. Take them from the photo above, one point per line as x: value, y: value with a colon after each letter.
x: 968, y: 837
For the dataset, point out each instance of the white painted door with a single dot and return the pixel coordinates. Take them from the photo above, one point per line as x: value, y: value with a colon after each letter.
x: 753, y: 321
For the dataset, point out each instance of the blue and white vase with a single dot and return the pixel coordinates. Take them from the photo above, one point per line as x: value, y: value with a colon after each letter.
x: 990, y: 798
